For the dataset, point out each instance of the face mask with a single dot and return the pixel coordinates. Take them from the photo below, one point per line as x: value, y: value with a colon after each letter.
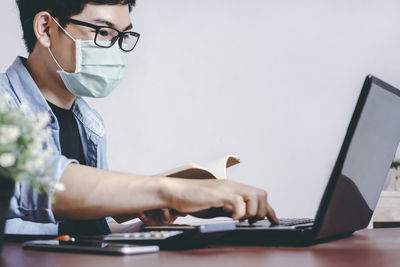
x: 98, y: 70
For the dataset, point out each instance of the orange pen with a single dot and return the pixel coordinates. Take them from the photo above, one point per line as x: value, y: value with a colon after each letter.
x: 65, y: 238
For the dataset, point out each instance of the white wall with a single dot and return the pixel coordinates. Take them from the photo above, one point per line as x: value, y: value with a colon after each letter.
x: 272, y: 81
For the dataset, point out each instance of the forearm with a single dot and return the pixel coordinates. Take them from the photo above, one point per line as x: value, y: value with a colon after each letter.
x: 92, y: 193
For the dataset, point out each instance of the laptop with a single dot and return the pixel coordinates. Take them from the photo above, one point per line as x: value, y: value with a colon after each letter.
x: 355, y: 184
x: 356, y: 181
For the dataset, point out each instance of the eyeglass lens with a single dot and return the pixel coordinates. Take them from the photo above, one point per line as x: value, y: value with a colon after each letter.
x: 106, y: 37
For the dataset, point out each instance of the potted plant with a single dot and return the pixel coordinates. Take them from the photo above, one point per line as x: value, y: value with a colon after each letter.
x: 22, y: 157
x: 395, y: 165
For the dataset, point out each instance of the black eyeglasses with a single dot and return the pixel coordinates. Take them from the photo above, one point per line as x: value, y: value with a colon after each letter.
x: 107, y: 36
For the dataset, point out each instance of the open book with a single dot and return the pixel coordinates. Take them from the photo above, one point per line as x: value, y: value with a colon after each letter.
x: 215, y: 169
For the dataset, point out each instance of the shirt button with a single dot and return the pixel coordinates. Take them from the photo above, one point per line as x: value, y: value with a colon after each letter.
x: 52, y: 120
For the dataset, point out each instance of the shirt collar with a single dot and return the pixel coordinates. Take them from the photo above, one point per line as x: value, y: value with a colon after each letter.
x: 25, y: 87
x: 29, y: 94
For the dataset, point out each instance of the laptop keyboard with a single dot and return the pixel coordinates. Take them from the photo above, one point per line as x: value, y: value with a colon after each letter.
x: 282, y: 221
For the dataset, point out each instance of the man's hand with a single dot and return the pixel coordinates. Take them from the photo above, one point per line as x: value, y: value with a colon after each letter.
x: 132, y: 194
x: 157, y: 217
x: 190, y: 196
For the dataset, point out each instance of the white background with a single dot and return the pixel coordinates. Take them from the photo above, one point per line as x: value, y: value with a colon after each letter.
x: 274, y: 82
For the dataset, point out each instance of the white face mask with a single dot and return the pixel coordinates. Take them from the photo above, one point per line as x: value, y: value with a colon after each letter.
x: 98, y: 70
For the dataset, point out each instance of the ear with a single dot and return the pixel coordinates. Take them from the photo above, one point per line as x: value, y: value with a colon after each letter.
x: 42, y: 29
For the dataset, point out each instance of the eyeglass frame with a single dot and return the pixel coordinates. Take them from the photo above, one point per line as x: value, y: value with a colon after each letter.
x: 98, y: 27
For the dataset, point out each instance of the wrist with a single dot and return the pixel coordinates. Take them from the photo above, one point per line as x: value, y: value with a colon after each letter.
x: 166, y: 191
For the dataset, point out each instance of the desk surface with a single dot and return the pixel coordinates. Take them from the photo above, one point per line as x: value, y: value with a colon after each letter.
x: 378, y: 247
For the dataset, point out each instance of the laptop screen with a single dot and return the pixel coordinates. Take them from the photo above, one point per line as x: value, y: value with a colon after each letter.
x: 364, y: 161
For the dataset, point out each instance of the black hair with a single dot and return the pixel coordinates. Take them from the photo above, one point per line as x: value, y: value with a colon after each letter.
x: 61, y: 9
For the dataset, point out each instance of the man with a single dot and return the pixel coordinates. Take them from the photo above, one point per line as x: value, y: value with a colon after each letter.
x: 78, y: 48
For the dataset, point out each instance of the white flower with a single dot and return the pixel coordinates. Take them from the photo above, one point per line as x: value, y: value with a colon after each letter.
x: 3, y: 106
x: 46, y: 133
x: 35, y: 148
x: 42, y: 135
x: 39, y: 162
x: 23, y: 108
x: 7, y: 97
x: 58, y: 187
x: 29, y: 166
x: 8, y: 134
x: 43, y: 119
x: 7, y: 160
x: 31, y: 118
x: 47, y: 152
x: 45, y: 179
x: 32, y: 130
x: 34, y: 164
x: 4, y: 100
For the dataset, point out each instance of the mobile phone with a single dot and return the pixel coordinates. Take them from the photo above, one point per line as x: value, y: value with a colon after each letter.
x: 97, y: 247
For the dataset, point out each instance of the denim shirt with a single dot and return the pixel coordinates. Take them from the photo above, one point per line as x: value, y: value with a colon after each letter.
x: 29, y: 212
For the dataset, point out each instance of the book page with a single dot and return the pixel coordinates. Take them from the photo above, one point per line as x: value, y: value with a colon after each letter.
x: 218, y: 167
x: 215, y: 169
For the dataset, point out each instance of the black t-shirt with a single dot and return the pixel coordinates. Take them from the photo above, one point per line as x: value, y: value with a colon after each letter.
x: 71, y: 147
x: 70, y: 139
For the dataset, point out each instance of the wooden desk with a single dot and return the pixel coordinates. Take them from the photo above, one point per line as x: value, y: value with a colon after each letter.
x: 377, y: 248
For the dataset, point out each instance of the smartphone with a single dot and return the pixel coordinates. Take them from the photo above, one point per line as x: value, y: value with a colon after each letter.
x: 90, y: 247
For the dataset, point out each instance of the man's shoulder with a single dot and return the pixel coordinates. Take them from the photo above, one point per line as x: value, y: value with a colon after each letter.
x: 15, y: 80
x: 6, y: 87
x: 4, y: 82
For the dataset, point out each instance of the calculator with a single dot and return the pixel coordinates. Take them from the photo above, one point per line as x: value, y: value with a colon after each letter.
x: 143, y: 236
x: 182, y: 238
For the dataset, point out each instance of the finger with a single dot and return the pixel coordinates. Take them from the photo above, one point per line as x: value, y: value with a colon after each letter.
x: 271, y: 215
x: 143, y: 217
x: 150, y: 218
x: 153, y: 213
x: 227, y: 209
x: 262, y: 205
x: 262, y: 208
x: 165, y: 216
x: 169, y: 216
x: 251, y: 205
x: 238, y: 206
x: 172, y: 220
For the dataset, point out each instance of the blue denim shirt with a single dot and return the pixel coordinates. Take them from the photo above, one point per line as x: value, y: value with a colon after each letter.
x: 29, y: 212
